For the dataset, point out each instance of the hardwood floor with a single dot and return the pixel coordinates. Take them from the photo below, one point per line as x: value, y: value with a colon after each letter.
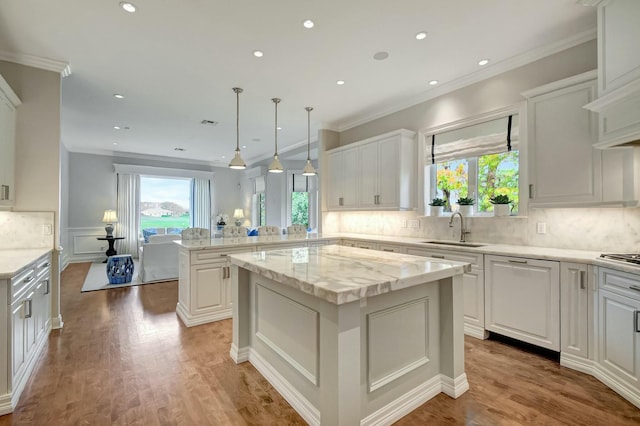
x: 123, y: 357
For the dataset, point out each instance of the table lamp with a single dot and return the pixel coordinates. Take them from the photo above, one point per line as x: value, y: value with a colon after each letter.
x: 238, y: 215
x: 109, y: 218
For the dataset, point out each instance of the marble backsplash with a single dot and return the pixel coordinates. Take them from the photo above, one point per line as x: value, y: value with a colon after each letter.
x: 25, y: 230
x: 598, y: 229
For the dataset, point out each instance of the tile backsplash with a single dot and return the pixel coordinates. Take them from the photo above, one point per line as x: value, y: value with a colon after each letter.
x: 26, y: 230
x: 598, y: 229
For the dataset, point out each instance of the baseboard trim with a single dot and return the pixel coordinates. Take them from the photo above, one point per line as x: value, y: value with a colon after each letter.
x: 625, y: 390
x: 193, y: 320
x: 577, y: 363
x: 299, y: 403
x: 475, y: 331
x: 31, y: 363
x: 57, y: 323
x: 5, y: 404
x: 455, y: 387
x: 239, y: 355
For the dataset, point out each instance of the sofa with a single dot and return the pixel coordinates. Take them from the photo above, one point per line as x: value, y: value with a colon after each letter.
x: 158, y: 259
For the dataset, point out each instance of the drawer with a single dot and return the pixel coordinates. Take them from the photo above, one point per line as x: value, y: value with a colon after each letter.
x: 476, y: 260
x: 22, y: 281
x: 618, y: 282
x: 43, y: 265
x: 205, y: 256
x: 392, y: 248
x: 366, y: 245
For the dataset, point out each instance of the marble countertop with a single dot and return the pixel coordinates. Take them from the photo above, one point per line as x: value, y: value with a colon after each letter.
x: 248, y: 241
x: 14, y: 260
x: 341, y: 274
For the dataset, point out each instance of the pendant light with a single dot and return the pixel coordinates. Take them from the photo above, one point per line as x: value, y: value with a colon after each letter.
x: 237, y: 162
x: 308, y: 168
x: 276, y: 166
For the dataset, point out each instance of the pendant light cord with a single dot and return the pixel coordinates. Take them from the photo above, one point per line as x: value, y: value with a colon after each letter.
x: 309, y: 109
x: 237, y: 120
x: 276, y: 101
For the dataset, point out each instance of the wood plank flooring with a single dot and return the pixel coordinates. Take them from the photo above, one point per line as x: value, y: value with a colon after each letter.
x: 123, y: 357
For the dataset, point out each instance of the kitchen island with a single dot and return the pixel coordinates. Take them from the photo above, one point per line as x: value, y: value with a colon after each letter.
x: 349, y: 336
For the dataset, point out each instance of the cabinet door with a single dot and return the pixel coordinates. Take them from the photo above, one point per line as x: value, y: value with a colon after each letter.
x: 208, y: 287
x: 522, y: 299
x: 335, y: 196
x: 619, y: 336
x: 367, y: 245
x: 351, y: 178
x: 574, y: 295
x: 7, y: 148
x: 565, y: 168
x: 389, y: 173
x: 369, y: 175
x: 18, y: 334
x: 31, y: 325
x: 39, y: 308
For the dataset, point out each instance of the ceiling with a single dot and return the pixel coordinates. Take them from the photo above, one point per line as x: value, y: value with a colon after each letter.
x: 176, y: 63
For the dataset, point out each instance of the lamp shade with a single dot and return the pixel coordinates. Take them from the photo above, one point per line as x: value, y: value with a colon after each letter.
x: 238, y: 214
x: 110, y: 216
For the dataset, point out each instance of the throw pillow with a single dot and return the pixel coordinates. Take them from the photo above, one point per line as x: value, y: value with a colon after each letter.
x: 146, y: 233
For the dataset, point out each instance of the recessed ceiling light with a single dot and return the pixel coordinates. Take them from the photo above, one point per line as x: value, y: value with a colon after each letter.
x: 115, y: 143
x: 258, y: 53
x: 308, y: 23
x: 279, y: 128
x: 381, y: 56
x: 433, y: 82
x: 116, y: 127
x: 223, y: 157
x: 244, y: 146
x: 118, y: 96
x: 483, y: 62
x: 129, y: 7
x: 340, y: 82
x: 421, y: 35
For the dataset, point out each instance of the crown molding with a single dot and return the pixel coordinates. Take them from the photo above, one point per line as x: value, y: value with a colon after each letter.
x: 138, y: 156
x: 592, y: 3
x: 295, y: 145
x: 61, y: 67
x: 488, y: 72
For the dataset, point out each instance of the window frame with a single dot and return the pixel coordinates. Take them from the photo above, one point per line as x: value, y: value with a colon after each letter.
x: 426, y: 173
x: 313, y: 198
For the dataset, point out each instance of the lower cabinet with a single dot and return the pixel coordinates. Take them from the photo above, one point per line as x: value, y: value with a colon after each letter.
x: 576, y: 297
x: 619, y: 332
x: 26, y: 317
x: 522, y: 299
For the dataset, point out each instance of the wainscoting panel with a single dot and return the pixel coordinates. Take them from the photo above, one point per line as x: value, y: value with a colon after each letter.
x: 398, y: 341
x: 290, y: 329
x: 84, y: 245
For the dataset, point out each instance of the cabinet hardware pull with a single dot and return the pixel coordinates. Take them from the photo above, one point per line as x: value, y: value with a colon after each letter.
x: 224, y: 273
x: 582, y: 280
x: 391, y: 250
x: 28, y: 279
x: 637, y: 318
x: 48, y: 287
x: 341, y: 201
x: 223, y: 255
x: 517, y: 261
x: 28, y: 303
x: 437, y: 256
x: 46, y: 265
x: 634, y: 287
x: 530, y: 190
x: 4, y: 193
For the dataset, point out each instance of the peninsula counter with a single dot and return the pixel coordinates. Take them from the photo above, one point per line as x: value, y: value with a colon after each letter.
x: 349, y: 336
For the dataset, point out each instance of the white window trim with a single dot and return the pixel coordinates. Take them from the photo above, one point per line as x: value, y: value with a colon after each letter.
x: 424, y: 135
x: 313, y: 200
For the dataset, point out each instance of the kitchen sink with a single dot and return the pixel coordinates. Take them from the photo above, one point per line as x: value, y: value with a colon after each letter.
x: 454, y: 243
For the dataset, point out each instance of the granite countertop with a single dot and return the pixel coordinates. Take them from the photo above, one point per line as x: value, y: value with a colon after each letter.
x: 340, y: 274
x: 14, y: 260
x: 248, y: 241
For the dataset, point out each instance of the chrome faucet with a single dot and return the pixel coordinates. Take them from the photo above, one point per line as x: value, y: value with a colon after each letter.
x: 463, y: 231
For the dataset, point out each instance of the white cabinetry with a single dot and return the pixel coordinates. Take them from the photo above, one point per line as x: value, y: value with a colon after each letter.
x: 8, y: 103
x: 618, y: 102
x: 25, y: 322
x: 473, y: 287
x: 373, y: 174
x: 565, y: 169
x: 619, y: 332
x: 576, y: 310
x: 522, y: 299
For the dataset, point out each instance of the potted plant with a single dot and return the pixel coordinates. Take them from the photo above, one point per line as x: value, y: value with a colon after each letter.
x: 500, y: 205
x: 437, y: 207
x: 466, y: 206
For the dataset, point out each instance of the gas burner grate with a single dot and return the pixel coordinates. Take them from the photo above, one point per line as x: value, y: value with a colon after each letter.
x: 633, y: 258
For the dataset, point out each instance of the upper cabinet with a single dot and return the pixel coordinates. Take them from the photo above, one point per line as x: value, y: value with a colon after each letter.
x: 618, y: 103
x: 8, y: 104
x: 565, y: 169
x: 374, y: 174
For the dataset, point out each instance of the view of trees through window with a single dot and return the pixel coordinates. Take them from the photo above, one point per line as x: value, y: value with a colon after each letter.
x: 300, y: 208
x: 164, y: 202
x: 494, y: 174
x: 262, y: 216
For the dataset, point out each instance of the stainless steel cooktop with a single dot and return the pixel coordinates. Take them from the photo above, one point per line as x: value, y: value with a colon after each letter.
x: 631, y: 258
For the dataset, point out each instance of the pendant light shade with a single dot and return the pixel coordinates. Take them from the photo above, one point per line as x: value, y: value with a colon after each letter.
x: 276, y: 166
x: 237, y: 162
x: 309, y: 170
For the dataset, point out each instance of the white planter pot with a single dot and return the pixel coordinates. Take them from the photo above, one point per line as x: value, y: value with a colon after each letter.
x: 501, y: 210
x: 466, y: 210
x: 436, y: 210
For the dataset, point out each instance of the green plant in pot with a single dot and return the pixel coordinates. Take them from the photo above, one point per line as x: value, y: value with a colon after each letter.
x: 437, y: 206
x: 466, y: 206
x: 500, y: 205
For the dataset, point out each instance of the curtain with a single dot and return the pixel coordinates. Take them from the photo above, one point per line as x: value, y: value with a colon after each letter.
x: 128, y: 194
x: 201, y: 203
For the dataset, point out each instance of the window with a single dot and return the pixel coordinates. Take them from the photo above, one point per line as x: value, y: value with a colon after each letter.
x: 474, y: 162
x: 262, y: 209
x: 259, y: 210
x: 165, y: 203
x: 302, y: 200
x: 300, y: 208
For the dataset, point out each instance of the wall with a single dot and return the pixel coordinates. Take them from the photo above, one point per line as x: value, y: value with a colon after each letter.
x: 598, y: 229
x: 37, y: 155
